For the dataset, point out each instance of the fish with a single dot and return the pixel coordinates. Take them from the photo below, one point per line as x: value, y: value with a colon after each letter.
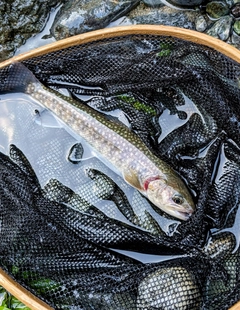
x: 114, y: 144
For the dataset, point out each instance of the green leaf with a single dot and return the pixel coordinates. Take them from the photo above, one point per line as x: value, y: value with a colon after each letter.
x: 17, y: 305
x: 4, y: 308
x: 3, y: 297
x: 9, y: 302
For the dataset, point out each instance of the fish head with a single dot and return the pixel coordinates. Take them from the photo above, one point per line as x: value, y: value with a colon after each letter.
x: 174, y: 200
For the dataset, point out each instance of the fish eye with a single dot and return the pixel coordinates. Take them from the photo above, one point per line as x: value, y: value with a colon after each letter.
x: 178, y: 199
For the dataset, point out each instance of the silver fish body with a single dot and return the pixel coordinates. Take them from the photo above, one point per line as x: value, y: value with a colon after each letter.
x: 121, y: 148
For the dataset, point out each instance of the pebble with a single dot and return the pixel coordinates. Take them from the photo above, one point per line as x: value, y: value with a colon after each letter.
x: 217, y: 9
x: 221, y: 28
x: 186, y: 3
x: 163, y: 16
x: 236, y: 10
x: 201, y: 23
x: 152, y: 2
x: 235, y: 39
x: 169, y: 288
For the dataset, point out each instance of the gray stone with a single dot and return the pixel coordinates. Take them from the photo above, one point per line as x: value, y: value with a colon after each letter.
x: 153, y: 3
x: 229, y: 3
x: 163, y: 16
x: 217, y: 9
x: 186, y: 3
x: 235, y: 39
x: 19, y: 20
x: 221, y: 28
x: 79, y: 16
x: 177, y: 3
x: 236, y: 10
x: 201, y: 23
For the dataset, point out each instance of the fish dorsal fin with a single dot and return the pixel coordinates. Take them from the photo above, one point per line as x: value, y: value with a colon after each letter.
x: 131, y: 177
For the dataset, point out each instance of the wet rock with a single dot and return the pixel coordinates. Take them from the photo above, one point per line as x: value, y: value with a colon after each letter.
x: 236, y: 10
x: 19, y: 20
x: 161, y: 290
x: 230, y: 3
x: 173, y: 3
x: 153, y: 3
x: 236, y: 27
x: 235, y: 39
x: 221, y: 28
x: 79, y: 16
x: 217, y: 9
x: 201, y: 23
x: 185, y: 3
x: 163, y: 16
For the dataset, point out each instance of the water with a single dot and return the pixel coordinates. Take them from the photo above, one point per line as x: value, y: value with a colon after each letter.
x: 42, y: 38
x: 45, y: 37
x: 170, y: 122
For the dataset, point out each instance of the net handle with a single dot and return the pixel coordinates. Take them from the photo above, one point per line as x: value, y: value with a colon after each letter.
x: 21, y: 293
x: 185, y: 34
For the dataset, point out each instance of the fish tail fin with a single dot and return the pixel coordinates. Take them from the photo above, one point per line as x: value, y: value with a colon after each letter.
x: 18, y: 78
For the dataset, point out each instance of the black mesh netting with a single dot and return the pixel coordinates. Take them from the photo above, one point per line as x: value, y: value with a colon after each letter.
x: 76, y: 235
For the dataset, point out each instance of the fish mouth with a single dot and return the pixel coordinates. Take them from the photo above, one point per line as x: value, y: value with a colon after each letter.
x: 183, y: 215
x: 178, y: 212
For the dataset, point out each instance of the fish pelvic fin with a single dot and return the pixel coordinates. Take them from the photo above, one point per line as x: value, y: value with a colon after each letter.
x: 17, y: 80
x: 131, y: 177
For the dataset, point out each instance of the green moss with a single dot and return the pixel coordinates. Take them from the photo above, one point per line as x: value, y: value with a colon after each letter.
x: 137, y: 104
x: 166, y: 49
x: 15, y: 270
x: 44, y: 285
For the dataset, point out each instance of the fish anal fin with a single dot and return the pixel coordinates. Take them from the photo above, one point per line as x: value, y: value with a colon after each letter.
x: 131, y: 177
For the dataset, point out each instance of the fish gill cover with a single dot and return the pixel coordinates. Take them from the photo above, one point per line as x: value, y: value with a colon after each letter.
x: 76, y: 234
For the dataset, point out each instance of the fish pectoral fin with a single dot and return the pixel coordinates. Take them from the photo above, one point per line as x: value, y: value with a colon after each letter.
x: 131, y: 177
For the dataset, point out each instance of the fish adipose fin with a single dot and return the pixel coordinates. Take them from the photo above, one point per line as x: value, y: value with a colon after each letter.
x: 19, y: 77
x: 130, y: 176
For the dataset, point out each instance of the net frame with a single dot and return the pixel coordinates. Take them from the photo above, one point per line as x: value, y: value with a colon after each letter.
x: 188, y: 35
